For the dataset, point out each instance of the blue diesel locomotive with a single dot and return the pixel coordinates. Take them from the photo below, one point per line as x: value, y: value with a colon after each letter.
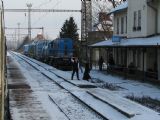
x: 56, y: 52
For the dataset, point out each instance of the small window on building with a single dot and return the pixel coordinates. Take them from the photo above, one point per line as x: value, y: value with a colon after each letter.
x: 139, y: 20
x: 134, y: 21
x: 117, y: 25
x: 126, y: 24
x: 122, y: 25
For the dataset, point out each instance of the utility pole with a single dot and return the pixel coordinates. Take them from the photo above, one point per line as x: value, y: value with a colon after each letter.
x: 15, y: 40
x: 29, y: 5
x: 18, y: 34
x: 86, y: 24
x: 42, y: 30
x: 29, y: 10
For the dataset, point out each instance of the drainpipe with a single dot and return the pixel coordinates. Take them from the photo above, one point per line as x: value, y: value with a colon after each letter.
x: 156, y: 15
x: 143, y: 64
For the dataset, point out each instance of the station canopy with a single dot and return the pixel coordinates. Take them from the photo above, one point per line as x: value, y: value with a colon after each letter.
x: 120, y: 7
x: 133, y: 42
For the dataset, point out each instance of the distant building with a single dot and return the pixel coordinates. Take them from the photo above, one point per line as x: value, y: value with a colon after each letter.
x: 39, y: 36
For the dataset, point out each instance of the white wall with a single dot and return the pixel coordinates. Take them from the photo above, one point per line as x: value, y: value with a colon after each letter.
x: 147, y: 19
x: 120, y: 15
x: 158, y: 66
x: 96, y: 57
x: 158, y: 17
x: 135, y: 5
x: 139, y: 58
x: 151, y: 21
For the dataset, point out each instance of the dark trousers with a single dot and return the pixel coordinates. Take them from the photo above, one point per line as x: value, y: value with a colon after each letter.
x: 100, y: 67
x: 75, y: 70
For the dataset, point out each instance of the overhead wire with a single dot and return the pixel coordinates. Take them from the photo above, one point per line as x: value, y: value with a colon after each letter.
x: 25, y: 14
x: 42, y: 4
x: 43, y: 16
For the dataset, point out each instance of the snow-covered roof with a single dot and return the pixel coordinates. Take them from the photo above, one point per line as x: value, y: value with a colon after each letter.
x: 150, y: 41
x: 120, y: 7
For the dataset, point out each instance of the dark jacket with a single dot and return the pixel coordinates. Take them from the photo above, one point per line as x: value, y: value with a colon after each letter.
x: 75, y: 64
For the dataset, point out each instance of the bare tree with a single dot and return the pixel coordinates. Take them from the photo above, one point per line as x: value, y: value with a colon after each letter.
x: 101, y: 20
x: 100, y: 7
x: 115, y: 2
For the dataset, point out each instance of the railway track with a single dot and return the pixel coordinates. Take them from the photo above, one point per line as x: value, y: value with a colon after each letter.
x: 69, y: 95
x: 110, y: 111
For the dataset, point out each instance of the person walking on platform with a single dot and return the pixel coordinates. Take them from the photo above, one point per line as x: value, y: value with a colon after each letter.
x: 100, y: 63
x: 75, y: 65
x: 86, y: 75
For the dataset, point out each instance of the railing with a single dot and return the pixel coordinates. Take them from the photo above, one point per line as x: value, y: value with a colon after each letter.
x: 132, y: 72
x: 151, y: 74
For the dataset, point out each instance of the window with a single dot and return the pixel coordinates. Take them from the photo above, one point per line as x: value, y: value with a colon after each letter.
x: 139, y: 20
x: 122, y: 25
x: 65, y: 49
x: 117, y: 25
x: 135, y: 18
x: 135, y: 21
x: 126, y: 24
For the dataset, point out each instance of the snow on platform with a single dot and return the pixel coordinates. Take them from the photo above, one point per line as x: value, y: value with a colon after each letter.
x: 23, y: 103
x: 73, y: 108
x: 107, y: 110
x: 125, y: 106
x: 82, y: 83
x: 117, y: 102
x: 60, y: 81
x: 100, y: 107
x: 25, y: 106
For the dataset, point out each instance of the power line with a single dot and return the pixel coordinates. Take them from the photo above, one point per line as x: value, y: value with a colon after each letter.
x: 29, y: 20
x: 29, y: 10
x: 44, y: 3
x: 45, y: 13
x: 24, y: 28
x: 19, y: 34
x: 40, y: 10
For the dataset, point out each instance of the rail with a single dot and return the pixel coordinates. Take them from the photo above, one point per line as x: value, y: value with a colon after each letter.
x: 37, y: 65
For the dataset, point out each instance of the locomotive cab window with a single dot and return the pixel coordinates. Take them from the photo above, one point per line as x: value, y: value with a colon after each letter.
x: 65, y: 49
x: 51, y: 45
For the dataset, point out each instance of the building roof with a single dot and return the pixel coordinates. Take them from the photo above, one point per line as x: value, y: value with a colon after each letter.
x: 120, y: 7
x: 134, y: 42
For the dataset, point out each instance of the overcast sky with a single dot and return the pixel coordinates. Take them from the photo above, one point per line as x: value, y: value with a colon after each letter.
x: 52, y: 22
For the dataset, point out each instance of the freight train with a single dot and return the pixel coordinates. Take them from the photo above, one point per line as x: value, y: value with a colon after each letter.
x: 57, y: 52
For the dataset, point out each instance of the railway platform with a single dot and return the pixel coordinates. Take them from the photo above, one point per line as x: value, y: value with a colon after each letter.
x: 38, y: 91
x: 23, y: 103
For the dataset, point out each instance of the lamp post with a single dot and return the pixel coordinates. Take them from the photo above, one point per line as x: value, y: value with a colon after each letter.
x: 29, y: 5
x: 18, y: 34
x: 85, y: 27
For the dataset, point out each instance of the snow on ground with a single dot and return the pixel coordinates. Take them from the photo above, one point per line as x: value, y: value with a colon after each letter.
x: 42, y: 87
x: 129, y: 87
x: 39, y: 84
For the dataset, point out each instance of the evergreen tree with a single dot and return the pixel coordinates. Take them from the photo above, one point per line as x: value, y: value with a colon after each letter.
x: 69, y: 30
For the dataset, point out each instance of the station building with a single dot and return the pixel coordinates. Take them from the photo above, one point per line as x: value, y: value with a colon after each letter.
x: 135, y: 45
